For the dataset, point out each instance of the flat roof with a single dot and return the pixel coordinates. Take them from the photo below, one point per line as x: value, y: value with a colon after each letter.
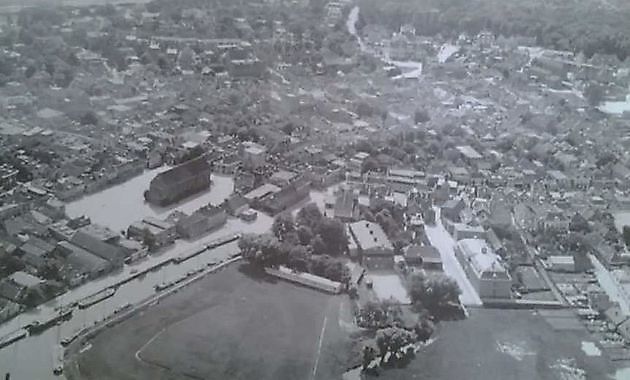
x: 469, y: 152
x: 262, y: 191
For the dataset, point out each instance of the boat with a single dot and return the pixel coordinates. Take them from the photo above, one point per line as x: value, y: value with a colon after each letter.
x: 162, y: 286
x: 38, y: 327
x: 13, y: 337
x: 96, y: 298
x: 69, y: 339
x: 122, y: 307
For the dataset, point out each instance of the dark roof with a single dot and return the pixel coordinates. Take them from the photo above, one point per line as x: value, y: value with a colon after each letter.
x: 428, y: 253
x: 82, y: 260
x: 183, y: 172
x: 235, y: 202
x: 103, y: 250
x: 11, y: 291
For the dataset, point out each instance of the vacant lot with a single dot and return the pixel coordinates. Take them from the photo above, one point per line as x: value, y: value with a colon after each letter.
x: 230, y: 325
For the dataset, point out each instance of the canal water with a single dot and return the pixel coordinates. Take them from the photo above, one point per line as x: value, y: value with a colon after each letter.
x: 119, y: 206
x: 34, y: 357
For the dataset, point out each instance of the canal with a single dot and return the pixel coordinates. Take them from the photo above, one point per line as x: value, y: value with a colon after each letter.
x: 34, y: 357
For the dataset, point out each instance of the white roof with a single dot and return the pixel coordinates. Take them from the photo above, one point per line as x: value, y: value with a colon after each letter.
x: 482, y: 259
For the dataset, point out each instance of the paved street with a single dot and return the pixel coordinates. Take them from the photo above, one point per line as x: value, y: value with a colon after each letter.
x: 443, y: 241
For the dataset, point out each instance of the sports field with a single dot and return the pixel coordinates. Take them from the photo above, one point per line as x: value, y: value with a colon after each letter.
x: 230, y: 325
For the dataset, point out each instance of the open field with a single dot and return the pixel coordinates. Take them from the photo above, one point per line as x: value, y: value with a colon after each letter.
x: 230, y: 325
x: 504, y: 344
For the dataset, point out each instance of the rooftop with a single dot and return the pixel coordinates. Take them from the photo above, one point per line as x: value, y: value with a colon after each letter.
x: 370, y: 235
x: 482, y: 259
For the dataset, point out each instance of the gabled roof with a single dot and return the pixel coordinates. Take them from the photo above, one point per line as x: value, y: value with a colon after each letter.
x: 103, y: 250
x: 183, y: 172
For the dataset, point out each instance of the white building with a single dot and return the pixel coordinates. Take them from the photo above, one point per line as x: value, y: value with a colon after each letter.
x: 484, y: 268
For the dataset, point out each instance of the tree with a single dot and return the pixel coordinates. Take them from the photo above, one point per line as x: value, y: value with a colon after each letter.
x: 309, y: 216
x: 89, y: 118
x: 392, y: 339
x: 333, y: 234
x: 594, y: 94
x: 368, y: 354
x: 318, y: 245
x: 305, y: 235
x: 626, y: 235
x: 263, y: 250
x: 369, y: 165
x: 31, y: 298
x: 421, y: 116
x: 433, y: 293
x: 288, y: 128
x: 299, y: 258
x: 282, y: 225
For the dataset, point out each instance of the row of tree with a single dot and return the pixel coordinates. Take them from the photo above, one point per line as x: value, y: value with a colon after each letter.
x: 266, y: 250
x: 319, y: 234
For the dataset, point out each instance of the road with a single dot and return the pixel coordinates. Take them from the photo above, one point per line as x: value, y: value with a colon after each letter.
x: 444, y: 242
x: 610, y: 285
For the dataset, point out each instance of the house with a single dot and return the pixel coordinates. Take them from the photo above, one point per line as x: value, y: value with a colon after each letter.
x: 35, y: 252
x: 253, y: 155
x: 201, y: 222
x: 452, y: 208
x: 484, y: 268
x: 80, y: 264
x: 561, y: 263
x: 372, y: 246
x: 261, y: 192
x: 346, y: 205
x: 179, y: 182
x: 287, y: 197
x: 426, y: 256
x: 282, y: 178
x: 111, y: 253
x: 236, y: 204
x: 465, y: 231
x: 161, y: 232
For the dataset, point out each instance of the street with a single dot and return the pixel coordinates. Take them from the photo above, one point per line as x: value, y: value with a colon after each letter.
x: 444, y: 242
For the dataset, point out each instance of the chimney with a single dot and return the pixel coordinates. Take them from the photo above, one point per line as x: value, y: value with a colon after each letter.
x: 484, y: 250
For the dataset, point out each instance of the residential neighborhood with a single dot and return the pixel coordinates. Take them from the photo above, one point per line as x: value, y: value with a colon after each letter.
x: 391, y: 182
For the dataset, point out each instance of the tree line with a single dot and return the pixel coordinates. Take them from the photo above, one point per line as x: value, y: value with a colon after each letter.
x: 311, y: 243
x: 588, y: 28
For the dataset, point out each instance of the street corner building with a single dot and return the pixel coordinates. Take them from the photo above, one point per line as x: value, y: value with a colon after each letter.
x: 179, y: 182
x: 484, y: 269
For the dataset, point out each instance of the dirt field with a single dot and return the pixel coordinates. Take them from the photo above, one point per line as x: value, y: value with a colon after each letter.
x: 230, y: 325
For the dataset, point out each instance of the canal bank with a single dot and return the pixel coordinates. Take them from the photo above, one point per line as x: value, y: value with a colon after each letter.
x: 33, y: 357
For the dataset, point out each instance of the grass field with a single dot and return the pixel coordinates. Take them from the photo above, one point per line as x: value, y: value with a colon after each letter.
x: 504, y: 344
x: 230, y: 325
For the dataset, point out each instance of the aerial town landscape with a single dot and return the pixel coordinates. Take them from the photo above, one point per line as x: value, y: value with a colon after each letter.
x: 314, y: 189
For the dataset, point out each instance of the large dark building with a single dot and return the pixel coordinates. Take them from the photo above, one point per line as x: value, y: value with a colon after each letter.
x: 179, y: 182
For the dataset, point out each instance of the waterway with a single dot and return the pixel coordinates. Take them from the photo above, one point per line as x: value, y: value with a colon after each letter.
x: 34, y: 357
x: 119, y: 206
